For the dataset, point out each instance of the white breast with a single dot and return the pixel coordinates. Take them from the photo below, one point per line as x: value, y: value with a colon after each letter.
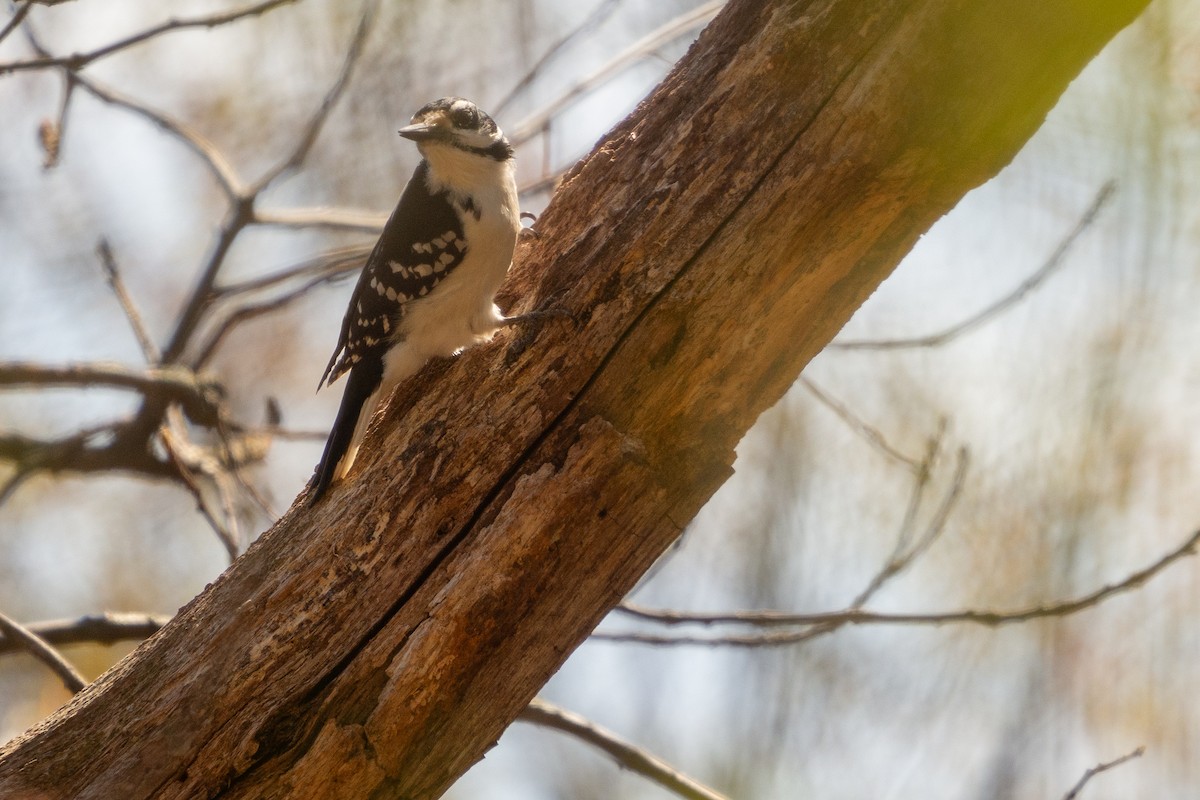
x: 461, y: 311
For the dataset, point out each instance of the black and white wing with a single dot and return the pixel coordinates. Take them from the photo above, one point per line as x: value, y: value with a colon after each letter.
x: 421, y: 244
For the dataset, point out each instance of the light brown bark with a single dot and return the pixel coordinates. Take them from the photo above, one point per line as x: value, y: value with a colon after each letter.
x: 376, y: 645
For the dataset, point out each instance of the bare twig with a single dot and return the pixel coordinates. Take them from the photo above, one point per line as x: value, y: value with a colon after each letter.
x: 332, y: 265
x: 104, y: 448
x: 78, y: 61
x: 145, y: 341
x: 337, y: 219
x: 870, y: 434
x: 241, y: 212
x: 632, y: 758
x: 15, y: 21
x: 1056, y: 260
x: 184, y: 456
x: 775, y: 619
x: 213, y: 158
x: 696, y: 18
x: 599, y: 15
x: 105, y: 628
x: 250, y: 311
x: 289, y: 435
x: 194, y: 309
x: 905, y: 552
x: 324, y: 269
x: 177, y: 384
x: 548, y: 182
x: 10, y: 486
x: 1102, y: 767
x: 37, y: 647
x: 238, y: 449
x: 315, y: 123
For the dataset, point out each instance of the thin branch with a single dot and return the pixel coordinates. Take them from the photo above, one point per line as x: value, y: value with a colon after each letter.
x: 696, y: 18
x: 17, y: 18
x: 632, y: 758
x: 177, y: 384
x: 313, y: 129
x: 1102, y: 767
x: 214, y: 159
x: 543, y: 184
x: 289, y: 435
x: 10, y: 486
x: 104, y: 448
x: 774, y: 619
x: 333, y: 265
x: 39, y: 649
x: 1056, y: 260
x: 113, y: 276
x: 238, y: 448
x: 598, y: 17
x: 250, y: 311
x: 338, y: 219
x: 202, y: 294
x: 184, y: 456
x: 326, y: 268
x: 905, y: 553
x: 78, y: 61
x: 870, y: 434
x: 107, y: 628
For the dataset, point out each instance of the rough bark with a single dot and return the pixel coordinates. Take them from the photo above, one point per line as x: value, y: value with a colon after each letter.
x: 376, y: 645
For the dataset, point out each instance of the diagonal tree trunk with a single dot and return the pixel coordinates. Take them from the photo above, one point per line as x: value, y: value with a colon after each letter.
x: 376, y: 645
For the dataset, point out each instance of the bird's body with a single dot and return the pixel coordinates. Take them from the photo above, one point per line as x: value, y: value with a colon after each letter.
x: 429, y: 285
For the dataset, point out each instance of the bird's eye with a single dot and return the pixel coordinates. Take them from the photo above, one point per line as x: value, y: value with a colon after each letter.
x: 464, y: 117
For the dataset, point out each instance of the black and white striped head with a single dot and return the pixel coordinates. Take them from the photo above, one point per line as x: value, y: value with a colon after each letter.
x: 458, y: 123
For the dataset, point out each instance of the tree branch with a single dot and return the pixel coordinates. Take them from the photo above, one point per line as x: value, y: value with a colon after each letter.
x: 377, y: 643
x: 15, y: 21
x: 227, y: 178
x: 103, y: 449
x: 198, y: 394
x: 595, y: 19
x: 1056, y: 260
x: 868, y: 433
x: 338, y: 219
x: 537, y: 122
x: 107, y: 628
x: 992, y: 619
x: 1102, y: 767
x: 78, y: 61
x: 34, y: 645
x: 300, y: 152
x: 632, y: 758
x: 113, y: 276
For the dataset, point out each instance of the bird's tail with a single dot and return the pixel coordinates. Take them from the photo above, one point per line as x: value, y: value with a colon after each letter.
x: 359, y: 401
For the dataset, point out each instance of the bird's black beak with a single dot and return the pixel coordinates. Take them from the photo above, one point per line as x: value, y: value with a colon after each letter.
x: 419, y: 132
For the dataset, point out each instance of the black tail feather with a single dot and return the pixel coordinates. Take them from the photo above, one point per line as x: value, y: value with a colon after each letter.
x: 364, y: 379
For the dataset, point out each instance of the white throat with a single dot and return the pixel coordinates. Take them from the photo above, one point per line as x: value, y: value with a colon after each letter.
x: 464, y: 172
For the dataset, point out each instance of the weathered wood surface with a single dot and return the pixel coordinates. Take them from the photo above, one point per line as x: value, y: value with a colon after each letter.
x: 716, y: 240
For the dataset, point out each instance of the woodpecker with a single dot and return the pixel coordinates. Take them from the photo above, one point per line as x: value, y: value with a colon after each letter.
x: 428, y: 287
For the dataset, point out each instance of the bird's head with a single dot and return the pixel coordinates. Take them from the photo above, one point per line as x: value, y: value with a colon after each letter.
x: 458, y: 123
